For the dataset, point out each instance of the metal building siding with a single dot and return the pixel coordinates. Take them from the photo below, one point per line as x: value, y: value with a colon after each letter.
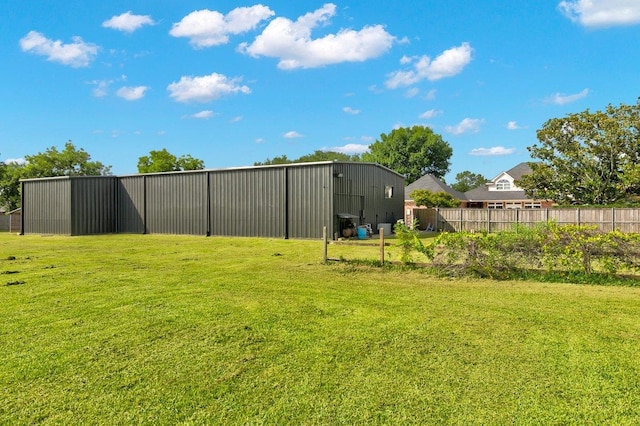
x: 93, y: 205
x: 293, y: 201
x: 248, y: 202
x: 310, y: 200
x: 47, y: 206
x: 130, y: 201
x: 368, y: 182
x: 177, y: 203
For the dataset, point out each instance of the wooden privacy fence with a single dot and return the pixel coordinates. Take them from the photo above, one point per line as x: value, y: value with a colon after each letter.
x: 494, y: 220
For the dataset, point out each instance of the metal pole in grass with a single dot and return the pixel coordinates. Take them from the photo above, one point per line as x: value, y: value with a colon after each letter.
x: 381, y: 230
x: 325, y: 243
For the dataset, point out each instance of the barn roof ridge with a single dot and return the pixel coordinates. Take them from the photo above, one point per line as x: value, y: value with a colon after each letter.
x: 221, y: 169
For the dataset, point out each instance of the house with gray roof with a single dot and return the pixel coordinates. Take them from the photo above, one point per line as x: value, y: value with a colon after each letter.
x: 503, y: 193
x: 430, y: 183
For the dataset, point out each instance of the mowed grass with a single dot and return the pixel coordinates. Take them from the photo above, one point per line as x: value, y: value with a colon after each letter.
x: 151, y: 329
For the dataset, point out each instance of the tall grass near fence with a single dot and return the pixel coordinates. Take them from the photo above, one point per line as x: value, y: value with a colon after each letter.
x: 152, y: 329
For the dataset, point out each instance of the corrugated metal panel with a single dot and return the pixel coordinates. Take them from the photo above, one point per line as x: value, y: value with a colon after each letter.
x: 294, y: 201
x: 93, y: 205
x: 367, y: 182
x: 47, y: 206
x: 131, y: 205
x: 177, y: 203
x: 310, y: 200
x: 248, y: 202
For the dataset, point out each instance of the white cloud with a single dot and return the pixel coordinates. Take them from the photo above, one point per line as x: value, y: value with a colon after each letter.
x: 206, y: 28
x: 601, y: 13
x: 468, y: 125
x: 350, y: 110
x: 562, y: 99
x: 431, y: 95
x: 369, y: 139
x: 203, y: 115
x: 292, y: 43
x: 101, y: 88
x: 76, y: 54
x: 492, y: 152
x: 236, y: 119
x: 15, y: 161
x: 512, y: 125
x: 375, y: 89
x: 260, y: 140
x: 350, y: 148
x: 412, y: 92
x: 132, y: 93
x: 447, y: 64
x: 427, y: 115
x: 205, y: 88
x: 127, y: 22
x: 292, y: 135
x: 405, y: 60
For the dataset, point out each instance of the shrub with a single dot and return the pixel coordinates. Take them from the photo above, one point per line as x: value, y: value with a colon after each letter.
x: 556, y: 248
x: 407, y: 240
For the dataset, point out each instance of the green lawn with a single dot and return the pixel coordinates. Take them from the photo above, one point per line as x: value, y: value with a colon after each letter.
x: 150, y: 329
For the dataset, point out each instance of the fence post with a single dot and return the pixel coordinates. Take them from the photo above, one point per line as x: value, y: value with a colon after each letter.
x: 324, y: 244
x: 488, y: 220
x: 381, y: 246
x: 578, y: 216
x: 613, y: 219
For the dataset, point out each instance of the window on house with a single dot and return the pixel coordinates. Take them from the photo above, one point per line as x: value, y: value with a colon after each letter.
x: 388, y: 191
x: 503, y: 185
x: 494, y: 205
x: 513, y: 205
x: 532, y: 205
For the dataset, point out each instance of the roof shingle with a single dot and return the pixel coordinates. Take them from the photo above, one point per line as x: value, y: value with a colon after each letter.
x: 433, y: 184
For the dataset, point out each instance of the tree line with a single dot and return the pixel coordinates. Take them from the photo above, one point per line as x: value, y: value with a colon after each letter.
x: 585, y: 158
x: 72, y: 161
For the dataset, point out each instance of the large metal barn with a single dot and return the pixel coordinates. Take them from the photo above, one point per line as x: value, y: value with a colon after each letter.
x: 280, y: 201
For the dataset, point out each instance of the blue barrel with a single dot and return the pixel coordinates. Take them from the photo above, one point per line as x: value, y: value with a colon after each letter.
x: 362, y: 232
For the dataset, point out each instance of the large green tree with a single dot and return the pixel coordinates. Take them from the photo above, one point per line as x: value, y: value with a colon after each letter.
x: 281, y: 159
x: 69, y: 161
x: 317, y: 155
x: 320, y: 155
x: 467, y: 180
x: 587, y: 158
x: 164, y: 161
x: 424, y: 197
x: 412, y: 152
x: 10, y: 175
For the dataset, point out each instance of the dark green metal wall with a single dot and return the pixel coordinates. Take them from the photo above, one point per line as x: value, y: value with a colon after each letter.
x: 284, y: 201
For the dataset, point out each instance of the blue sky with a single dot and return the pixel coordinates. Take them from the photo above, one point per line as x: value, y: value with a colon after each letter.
x: 233, y: 83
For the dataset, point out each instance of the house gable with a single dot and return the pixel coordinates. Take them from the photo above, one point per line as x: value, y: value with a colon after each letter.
x: 502, y: 192
x: 503, y: 182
